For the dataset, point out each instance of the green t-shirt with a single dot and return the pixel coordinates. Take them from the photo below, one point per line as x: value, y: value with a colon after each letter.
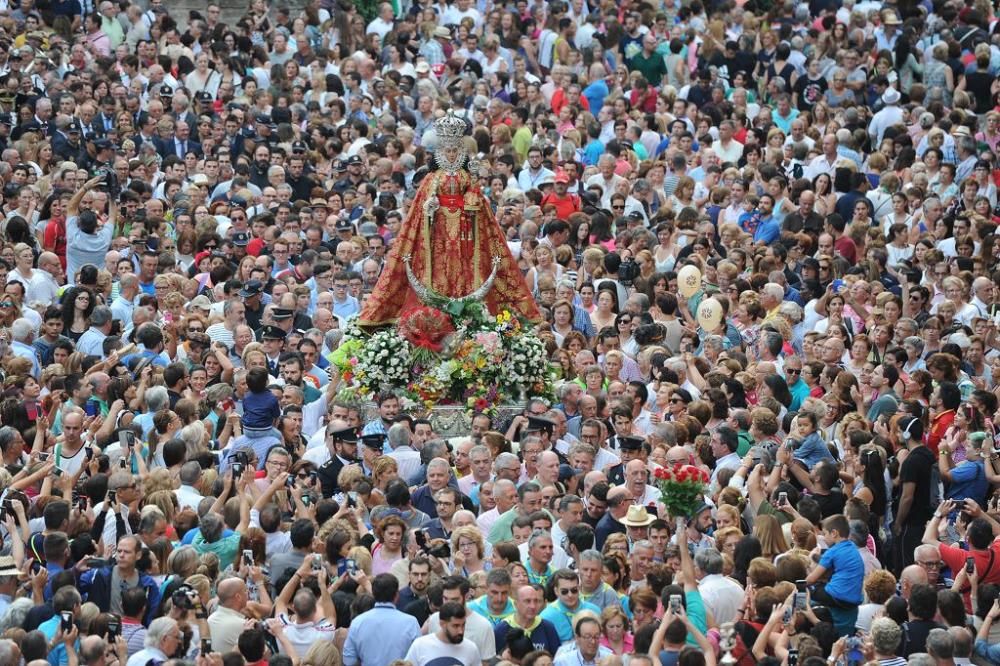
x: 225, y: 548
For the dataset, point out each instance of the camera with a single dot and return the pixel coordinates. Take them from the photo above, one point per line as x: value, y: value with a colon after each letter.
x: 248, y: 558
x: 237, y: 469
x: 675, y: 603
x: 110, y: 181
x: 114, y: 628
x: 970, y: 565
x: 628, y: 272
x: 181, y: 599
x: 66, y: 621
x: 800, y: 595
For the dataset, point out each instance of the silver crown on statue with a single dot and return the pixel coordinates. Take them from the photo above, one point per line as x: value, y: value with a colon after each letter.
x: 450, y: 129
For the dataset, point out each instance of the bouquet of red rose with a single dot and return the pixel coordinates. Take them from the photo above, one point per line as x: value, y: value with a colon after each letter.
x: 682, y: 488
x: 425, y: 327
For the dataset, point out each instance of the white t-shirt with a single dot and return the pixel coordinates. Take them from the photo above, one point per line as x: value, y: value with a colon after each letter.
x: 477, y: 629
x: 431, y: 651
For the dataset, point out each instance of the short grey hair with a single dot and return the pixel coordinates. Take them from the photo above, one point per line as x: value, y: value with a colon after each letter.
x: 438, y: 463
x: 916, y: 342
x: 22, y: 330
x: 791, y: 311
x: 7, y: 651
x: 886, y: 635
x: 398, y: 435
x: 940, y: 644
x: 921, y: 659
x: 504, y: 460
x: 643, y: 543
x: 15, y: 614
x: 591, y: 555
x: 501, y: 484
x: 157, y: 398
x: 709, y: 560
x: 158, y: 630
x: 537, y: 536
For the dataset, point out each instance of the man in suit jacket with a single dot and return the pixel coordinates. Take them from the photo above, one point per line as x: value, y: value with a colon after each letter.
x: 104, y: 121
x: 181, y: 144
x: 341, y: 450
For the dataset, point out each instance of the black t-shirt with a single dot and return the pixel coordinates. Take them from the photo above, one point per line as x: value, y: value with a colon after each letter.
x: 917, y: 469
x: 809, y: 91
x: 830, y: 505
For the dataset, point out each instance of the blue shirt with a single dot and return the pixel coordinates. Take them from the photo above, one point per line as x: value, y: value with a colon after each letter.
x: 811, y: 451
x: 768, y: 231
x: 57, y: 656
x: 592, y: 152
x: 347, y: 309
x: 562, y: 617
x: 595, y: 93
x: 848, y: 572
x: 27, y: 351
x: 968, y: 480
x: 379, y: 636
x: 260, y: 410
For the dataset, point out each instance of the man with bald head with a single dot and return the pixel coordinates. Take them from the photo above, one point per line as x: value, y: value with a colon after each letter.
x: 548, y: 468
x: 927, y: 557
x: 226, y: 623
x: 911, y: 576
x: 831, y: 351
x: 586, y: 409
x: 636, y: 480
x: 805, y: 218
x: 619, y: 500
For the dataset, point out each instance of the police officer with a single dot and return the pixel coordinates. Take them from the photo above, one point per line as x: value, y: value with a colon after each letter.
x: 342, y: 445
x: 630, y: 448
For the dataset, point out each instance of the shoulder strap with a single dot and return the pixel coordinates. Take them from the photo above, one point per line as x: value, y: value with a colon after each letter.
x: 989, y: 565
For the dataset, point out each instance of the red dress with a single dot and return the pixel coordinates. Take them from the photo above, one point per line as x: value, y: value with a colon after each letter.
x: 451, y: 250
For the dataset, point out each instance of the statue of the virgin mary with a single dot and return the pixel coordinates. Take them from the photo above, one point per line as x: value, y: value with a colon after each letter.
x: 449, y: 244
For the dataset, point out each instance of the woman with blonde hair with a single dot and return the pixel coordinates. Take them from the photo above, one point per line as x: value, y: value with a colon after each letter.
x: 322, y: 653
x: 384, y: 470
x: 468, y: 551
x: 768, y: 532
x: 592, y: 266
x: 728, y: 515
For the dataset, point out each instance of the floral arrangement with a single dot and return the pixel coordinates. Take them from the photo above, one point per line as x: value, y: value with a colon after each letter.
x: 682, y: 488
x: 439, y: 357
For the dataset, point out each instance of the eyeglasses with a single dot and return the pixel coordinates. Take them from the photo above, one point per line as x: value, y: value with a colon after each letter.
x: 211, y: 246
x: 677, y: 400
x: 930, y: 565
x: 793, y: 371
x: 617, y: 207
x: 570, y: 590
x: 6, y: 304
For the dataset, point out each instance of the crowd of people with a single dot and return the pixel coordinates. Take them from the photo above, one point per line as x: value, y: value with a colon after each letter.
x: 195, y: 209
